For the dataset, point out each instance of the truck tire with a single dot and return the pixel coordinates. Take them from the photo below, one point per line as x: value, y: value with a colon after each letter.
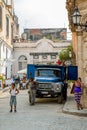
x: 60, y: 98
x: 65, y: 95
x: 65, y: 92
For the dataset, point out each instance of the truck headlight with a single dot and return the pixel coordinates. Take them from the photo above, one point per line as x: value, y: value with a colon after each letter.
x: 56, y: 87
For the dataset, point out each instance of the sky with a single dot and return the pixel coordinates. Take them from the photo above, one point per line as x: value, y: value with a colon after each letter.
x: 41, y: 13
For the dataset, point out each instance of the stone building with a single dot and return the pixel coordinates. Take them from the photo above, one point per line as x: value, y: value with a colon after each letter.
x: 43, y: 51
x: 15, y: 29
x: 79, y: 36
x: 54, y: 34
x: 79, y: 39
x: 6, y: 36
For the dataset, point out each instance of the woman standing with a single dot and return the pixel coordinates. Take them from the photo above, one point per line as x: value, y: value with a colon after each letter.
x: 78, y: 93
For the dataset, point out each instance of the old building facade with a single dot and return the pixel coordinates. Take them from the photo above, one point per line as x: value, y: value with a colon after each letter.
x: 79, y: 38
x: 43, y: 51
x: 6, y: 36
x: 54, y: 34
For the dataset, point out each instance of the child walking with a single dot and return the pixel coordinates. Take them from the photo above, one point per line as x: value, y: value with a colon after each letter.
x: 13, y: 102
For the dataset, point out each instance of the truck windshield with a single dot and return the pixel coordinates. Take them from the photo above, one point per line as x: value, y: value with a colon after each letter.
x: 48, y: 72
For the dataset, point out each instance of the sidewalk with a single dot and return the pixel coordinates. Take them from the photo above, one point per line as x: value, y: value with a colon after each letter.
x: 71, y: 108
x: 3, y: 92
x: 4, y: 89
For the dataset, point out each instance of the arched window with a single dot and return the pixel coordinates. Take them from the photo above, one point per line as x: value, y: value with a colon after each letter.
x: 11, y: 34
x: 22, y: 62
x: 7, y: 26
x: 0, y: 17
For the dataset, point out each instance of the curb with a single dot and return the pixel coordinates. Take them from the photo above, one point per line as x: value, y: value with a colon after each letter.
x: 4, y: 90
x: 76, y: 112
x: 70, y: 108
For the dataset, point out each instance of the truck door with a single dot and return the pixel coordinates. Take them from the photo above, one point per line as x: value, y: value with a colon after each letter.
x: 72, y: 73
x: 30, y: 71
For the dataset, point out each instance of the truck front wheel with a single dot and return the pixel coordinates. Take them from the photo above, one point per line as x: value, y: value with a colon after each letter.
x: 60, y: 98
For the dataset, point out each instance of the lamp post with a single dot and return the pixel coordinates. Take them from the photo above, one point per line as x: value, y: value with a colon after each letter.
x: 76, y: 18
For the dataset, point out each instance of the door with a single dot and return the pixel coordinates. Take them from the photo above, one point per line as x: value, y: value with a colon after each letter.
x: 72, y: 73
x: 30, y: 71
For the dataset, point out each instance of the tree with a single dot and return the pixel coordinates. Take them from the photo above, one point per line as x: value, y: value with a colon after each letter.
x: 64, y: 54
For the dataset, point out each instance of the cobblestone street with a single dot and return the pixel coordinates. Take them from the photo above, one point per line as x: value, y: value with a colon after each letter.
x: 44, y: 115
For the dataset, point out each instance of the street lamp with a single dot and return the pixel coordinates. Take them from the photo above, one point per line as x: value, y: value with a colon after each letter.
x: 76, y: 17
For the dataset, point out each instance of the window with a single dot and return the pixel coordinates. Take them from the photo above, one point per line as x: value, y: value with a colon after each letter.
x: 22, y: 61
x: 35, y: 57
x: 44, y: 56
x: 53, y: 56
x: 0, y: 17
x: 6, y: 53
x: 7, y: 26
x: 48, y: 72
x: 22, y: 58
x: 11, y: 34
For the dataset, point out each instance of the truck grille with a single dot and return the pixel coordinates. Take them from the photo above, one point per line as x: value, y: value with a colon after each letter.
x: 45, y: 86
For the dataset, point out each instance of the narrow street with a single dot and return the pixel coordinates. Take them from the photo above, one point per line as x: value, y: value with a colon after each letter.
x: 46, y: 114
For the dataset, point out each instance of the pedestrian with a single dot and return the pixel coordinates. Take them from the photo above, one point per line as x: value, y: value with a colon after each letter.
x: 32, y: 90
x: 13, y: 101
x: 24, y: 82
x: 77, y: 88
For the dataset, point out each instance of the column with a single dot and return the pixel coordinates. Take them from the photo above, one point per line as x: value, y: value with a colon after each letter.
x: 79, y: 53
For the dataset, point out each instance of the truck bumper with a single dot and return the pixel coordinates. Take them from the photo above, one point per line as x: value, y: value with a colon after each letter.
x: 47, y: 93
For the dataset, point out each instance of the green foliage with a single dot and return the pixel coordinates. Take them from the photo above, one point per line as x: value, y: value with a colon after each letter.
x: 69, y: 81
x: 70, y: 49
x: 64, y: 54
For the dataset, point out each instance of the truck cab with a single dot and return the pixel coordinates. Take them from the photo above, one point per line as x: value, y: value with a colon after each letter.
x: 52, y: 79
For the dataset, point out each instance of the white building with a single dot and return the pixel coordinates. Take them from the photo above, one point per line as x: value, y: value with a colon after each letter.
x: 5, y: 62
x: 43, y: 51
x: 6, y: 36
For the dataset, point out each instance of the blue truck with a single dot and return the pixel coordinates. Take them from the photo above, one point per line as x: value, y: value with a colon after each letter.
x: 52, y: 79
